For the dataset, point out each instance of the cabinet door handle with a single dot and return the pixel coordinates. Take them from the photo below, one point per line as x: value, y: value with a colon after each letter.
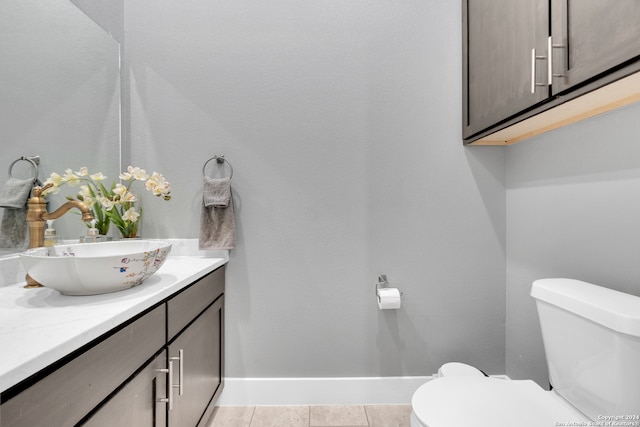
x: 180, y: 359
x: 535, y: 57
x: 550, y: 61
x: 169, y: 398
x: 550, y: 47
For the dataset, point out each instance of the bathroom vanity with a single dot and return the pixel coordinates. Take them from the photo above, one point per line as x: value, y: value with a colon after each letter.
x: 152, y: 355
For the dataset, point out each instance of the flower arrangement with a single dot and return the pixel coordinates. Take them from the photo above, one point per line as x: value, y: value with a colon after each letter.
x: 116, y: 204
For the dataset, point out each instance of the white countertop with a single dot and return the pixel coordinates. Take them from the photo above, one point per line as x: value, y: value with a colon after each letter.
x: 40, y: 326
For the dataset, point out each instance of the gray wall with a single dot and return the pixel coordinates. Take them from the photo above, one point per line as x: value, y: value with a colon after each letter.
x: 572, y: 211
x: 342, y: 122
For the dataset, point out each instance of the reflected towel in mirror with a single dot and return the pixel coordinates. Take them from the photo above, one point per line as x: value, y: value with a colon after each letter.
x: 15, y: 193
x: 13, y: 198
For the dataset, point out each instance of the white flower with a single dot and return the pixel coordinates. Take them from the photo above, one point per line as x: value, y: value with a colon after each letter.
x: 128, y: 197
x: 125, y: 176
x: 83, y: 171
x: 85, y: 195
x: 98, y: 177
x: 130, y: 215
x: 137, y: 173
x: 106, y: 203
x: 120, y: 190
x: 158, y: 185
x: 163, y: 190
x: 84, y: 191
x: 55, y: 179
x: 70, y: 178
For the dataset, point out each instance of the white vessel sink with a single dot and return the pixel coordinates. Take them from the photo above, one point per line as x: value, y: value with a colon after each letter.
x: 95, y: 268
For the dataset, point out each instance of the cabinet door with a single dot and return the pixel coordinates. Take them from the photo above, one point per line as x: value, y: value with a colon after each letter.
x: 591, y: 37
x: 498, y: 42
x: 138, y: 404
x: 201, y: 348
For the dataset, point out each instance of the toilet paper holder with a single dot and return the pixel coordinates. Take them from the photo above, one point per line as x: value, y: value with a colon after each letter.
x: 383, y: 283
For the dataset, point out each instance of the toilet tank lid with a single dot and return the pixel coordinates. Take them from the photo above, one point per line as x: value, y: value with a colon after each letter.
x: 616, y: 310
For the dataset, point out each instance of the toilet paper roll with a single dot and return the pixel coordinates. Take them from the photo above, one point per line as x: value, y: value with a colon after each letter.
x: 388, y: 298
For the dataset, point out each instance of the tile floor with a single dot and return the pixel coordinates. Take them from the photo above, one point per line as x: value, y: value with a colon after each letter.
x: 311, y: 416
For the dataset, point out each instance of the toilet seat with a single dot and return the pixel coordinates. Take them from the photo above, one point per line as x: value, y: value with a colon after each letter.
x: 460, y: 401
x: 459, y: 369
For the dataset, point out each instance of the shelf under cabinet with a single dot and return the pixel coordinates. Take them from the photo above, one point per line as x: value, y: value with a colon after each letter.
x: 622, y: 92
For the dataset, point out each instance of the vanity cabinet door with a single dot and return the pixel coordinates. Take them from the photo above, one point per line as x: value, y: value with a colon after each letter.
x: 499, y: 36
x: 137, y: 404
x: 592, y: 37
x: 200, y: 350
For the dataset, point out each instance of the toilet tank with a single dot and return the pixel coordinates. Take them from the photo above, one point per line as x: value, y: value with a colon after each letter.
x: 591, y: 338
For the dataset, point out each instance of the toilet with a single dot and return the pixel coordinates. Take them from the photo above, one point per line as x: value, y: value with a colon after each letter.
x: 591, y: 338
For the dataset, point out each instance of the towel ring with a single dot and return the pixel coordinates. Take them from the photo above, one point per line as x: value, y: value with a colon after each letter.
x: 219, y: 159
x: 34, y: 160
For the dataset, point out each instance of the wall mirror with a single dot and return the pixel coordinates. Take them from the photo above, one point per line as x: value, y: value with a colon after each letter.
x: 59, y: 97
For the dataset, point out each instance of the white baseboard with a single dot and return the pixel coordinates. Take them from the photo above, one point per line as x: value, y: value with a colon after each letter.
x: 320, y: 391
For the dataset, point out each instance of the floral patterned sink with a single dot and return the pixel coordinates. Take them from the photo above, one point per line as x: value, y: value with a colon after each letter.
x: 95, y: 268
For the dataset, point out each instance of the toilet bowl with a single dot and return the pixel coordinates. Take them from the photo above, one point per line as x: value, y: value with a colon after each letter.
x: 591, y: 337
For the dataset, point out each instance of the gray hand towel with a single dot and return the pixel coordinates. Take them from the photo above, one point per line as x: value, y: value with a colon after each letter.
x: 14, y: 228
x: 217, y: 220
x: 217, y: 192
x: 15, y: 193
x: 14, y: 232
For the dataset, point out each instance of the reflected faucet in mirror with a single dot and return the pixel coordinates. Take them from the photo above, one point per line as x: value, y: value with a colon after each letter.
x: 37, y: 217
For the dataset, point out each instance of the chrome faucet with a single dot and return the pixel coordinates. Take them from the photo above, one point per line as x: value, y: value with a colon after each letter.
x: 37, y: 217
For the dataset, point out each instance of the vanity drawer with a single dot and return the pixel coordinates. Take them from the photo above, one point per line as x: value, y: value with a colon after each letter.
x: 69, y: 393
x: 187, y: 305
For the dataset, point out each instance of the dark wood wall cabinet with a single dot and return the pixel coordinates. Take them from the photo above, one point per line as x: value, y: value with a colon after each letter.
x: 530, y: 66
x: 164, y: 368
